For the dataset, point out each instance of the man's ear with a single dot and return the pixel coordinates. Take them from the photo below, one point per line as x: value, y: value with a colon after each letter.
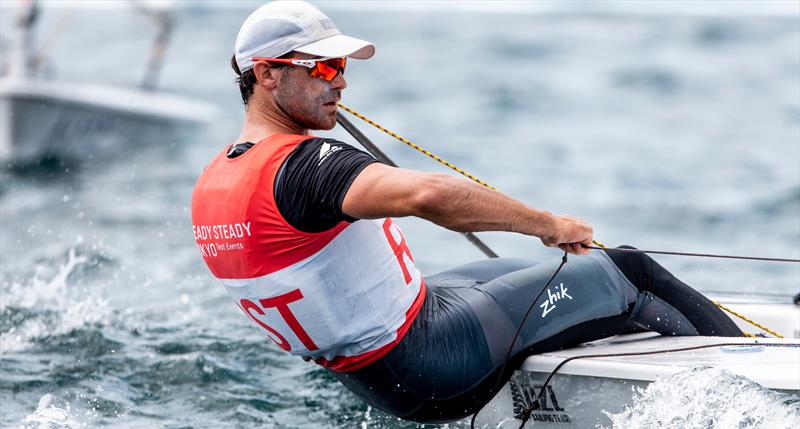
x: 266, y: 75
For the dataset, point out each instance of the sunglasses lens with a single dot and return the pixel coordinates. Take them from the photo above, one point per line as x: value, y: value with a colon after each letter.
x: 337, y: 63
x: 328, y: 69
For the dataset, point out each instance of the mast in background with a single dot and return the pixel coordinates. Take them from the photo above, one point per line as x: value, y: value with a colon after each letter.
x: 22, y: 45
x: 161, y: 12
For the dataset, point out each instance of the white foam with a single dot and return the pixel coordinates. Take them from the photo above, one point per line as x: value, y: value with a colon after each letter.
x: 50, y: 416
x: 59, y: 306
x: 367, y: 418
x: 708, y: 398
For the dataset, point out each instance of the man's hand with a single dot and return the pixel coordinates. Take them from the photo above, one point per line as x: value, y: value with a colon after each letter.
x: 569, y: 234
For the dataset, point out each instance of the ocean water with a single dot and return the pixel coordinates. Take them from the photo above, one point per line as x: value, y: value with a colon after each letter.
x: 730, y: 401
x: 666, y: 127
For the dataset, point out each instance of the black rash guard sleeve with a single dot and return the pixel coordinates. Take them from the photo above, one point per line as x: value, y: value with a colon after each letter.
x: 311, y: 184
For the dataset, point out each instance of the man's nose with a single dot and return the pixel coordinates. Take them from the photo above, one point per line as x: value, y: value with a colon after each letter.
x: 338, y: 82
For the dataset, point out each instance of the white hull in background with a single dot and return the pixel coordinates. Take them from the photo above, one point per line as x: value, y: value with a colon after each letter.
x: 584, y: 390
x: 41, y: 118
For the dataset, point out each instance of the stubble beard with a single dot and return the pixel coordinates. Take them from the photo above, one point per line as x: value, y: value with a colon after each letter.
x: 304, y: 111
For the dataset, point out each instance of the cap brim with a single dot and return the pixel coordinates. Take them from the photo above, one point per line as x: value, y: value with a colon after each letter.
x: 339, y: 46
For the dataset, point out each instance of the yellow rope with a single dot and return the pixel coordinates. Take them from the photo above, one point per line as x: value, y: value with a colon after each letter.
x: 748, y: 320
x: 470, y: 176
x: 406, y: 141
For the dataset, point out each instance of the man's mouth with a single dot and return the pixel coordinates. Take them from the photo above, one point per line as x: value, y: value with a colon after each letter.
x: 333, y: 101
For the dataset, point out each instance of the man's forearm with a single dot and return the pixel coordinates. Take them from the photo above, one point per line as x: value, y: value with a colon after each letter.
x: 464, y: 206
x: 381, y: 191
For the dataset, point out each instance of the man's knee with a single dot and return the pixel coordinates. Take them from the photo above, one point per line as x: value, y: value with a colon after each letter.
x: 636, y: 266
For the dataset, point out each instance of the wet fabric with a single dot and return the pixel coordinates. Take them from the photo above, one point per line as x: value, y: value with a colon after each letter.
x: 450, y: 361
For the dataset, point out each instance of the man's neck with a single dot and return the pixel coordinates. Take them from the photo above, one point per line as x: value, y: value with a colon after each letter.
x: 260, y: 123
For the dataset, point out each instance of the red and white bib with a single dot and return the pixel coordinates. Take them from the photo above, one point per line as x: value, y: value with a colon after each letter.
x: 343, y: 297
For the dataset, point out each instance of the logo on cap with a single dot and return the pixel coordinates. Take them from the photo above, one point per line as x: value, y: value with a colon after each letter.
x: 327, y: 24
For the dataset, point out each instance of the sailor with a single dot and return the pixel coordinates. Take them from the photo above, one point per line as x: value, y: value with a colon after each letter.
x: 326, y: 273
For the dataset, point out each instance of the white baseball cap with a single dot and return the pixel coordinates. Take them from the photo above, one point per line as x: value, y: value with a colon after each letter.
x: 280, y: 27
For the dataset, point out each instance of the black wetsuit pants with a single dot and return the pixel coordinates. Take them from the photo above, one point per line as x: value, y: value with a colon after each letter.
x: 451, y: 361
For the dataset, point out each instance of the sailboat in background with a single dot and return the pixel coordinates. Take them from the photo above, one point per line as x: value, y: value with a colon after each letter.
x: 44, y: 118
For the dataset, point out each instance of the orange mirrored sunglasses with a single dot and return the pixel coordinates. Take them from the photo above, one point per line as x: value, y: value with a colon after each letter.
x: 323, y: 68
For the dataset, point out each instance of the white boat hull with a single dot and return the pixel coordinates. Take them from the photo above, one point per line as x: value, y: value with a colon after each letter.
x: 585, y: 390
x: 40, y: 119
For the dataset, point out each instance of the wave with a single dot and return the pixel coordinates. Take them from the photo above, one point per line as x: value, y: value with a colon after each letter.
x: 708, y: 398
x: 43, y: 308
x: 652, y: 79
x: 52, y: 414
x: 785, y: 203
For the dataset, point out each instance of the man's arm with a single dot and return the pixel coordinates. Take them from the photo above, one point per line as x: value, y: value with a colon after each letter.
x: 463, y: 206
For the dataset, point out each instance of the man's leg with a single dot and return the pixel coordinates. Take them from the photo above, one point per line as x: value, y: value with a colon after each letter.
x: 453, y: 357
x: 647, y: 275
x: 589, y: 294
x: 478, y: 272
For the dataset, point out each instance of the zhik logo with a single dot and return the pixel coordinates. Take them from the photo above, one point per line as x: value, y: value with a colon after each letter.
x: 550, y: 303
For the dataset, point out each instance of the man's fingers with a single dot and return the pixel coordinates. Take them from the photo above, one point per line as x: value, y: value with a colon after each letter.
x: 571, y: 234
x: 573, y: 248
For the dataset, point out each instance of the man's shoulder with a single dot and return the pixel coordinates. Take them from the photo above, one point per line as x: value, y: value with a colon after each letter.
x: 317, y: 142
x: 320, y: 149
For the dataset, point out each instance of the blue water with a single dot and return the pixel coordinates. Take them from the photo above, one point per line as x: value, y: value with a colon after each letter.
x: 665, y: 128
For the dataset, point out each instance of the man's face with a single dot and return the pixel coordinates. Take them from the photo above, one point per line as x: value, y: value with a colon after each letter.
x: 309, y: 101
